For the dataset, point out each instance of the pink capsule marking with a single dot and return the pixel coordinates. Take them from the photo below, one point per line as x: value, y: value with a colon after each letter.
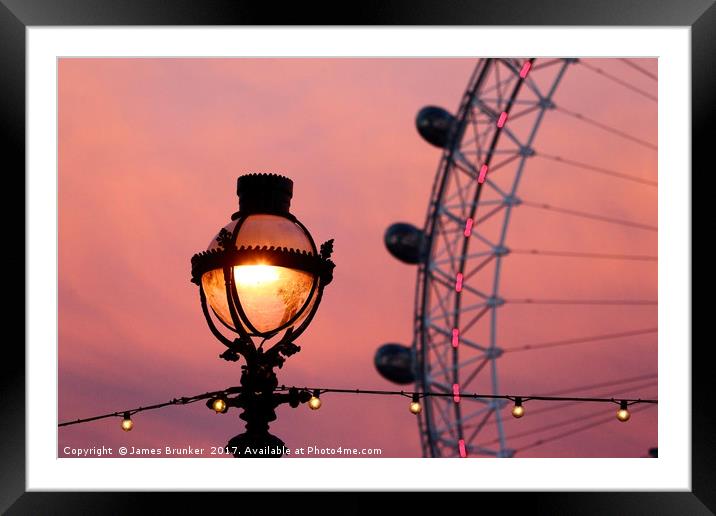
x: 483, y: 173
x: 456, y: 393
x: 455, y: 337
x: 525, y: 69
x: 458, y: 282
x: 468, y: 227
x: 503, y: 118
x: 461, y: 447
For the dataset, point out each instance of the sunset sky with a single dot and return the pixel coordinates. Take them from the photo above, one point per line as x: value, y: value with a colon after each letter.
x: 149, y: 153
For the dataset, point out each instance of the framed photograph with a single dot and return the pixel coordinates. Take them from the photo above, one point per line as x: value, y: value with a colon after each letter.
x: 432, y: 248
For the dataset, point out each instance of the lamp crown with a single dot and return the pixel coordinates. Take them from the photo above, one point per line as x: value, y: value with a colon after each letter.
x: 264, y: 193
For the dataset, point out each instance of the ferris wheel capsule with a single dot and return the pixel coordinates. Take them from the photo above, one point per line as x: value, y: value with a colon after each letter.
x: 435, y: 125
x: 394, y: 362
x: 405, y: 242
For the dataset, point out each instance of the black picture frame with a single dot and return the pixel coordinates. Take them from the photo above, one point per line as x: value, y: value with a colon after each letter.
x: 17, y: 15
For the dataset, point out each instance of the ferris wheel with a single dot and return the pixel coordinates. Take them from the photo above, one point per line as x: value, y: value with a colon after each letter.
x: 463, y: 251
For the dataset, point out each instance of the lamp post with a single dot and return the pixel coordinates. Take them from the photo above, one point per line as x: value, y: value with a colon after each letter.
x: 261, y: 278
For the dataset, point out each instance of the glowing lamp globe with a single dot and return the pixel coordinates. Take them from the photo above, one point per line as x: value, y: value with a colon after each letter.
x: 262, y: 273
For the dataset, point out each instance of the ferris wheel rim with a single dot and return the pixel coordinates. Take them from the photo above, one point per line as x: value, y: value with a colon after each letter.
x: 452, y: 151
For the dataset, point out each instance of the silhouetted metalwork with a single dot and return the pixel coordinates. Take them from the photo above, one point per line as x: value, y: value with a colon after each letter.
x: 435, y: 125
x: 395, y: 363
x: 261, y: 194
x: 405, y: 242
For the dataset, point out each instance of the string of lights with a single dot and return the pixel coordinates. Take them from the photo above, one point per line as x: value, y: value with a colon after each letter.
x: 218, y: 401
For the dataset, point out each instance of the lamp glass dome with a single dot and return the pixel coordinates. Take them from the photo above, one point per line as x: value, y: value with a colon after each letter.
x: 270, y: 295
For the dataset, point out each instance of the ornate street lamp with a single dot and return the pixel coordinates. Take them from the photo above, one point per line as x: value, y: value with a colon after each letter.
x: 261, y: 278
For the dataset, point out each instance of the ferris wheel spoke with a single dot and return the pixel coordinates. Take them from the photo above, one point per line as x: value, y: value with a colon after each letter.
x: 440, y: 279
x: 601, y: 170
x: 498, y: 85
x: 503, y: 163
x: 546, y: 63
x: 459, y: 221
x: 587, y: 215
x: 481, y: 238
x: 500, y: 96
x: 641, y: 70
x: 607, y: 128
x: 479, y: 426
x: 523, y: 112
x: 625, y: 84
x: 598, y: 256
x: 484, y: 263
x: 531, y: 85
x: 441, y: 302
x: 505, y: 129
x: 611, y: 383
x: 475, y: 372
x: 579, y: 340
x: 485, y: 202
x: 480, y: 356
x: 489, y: 182
x: 463, y: 340
x: 467, y: 257
x: 454, y: 424
x: 461, y: 194
x: 491, y: 213
x: 442, y: 410
x: 517, y: 102
x: 493, y: 152
x: 440, y: 351
x: 446, y: 279
x: 474, y: 449
x: 448, y: 248
x: 513, y: 137
x: 624, y: 302
x: 463, y: 310
x: 473, y: 290
x: 442, y: 387
x: 441, y: 359
x: 476, y: 318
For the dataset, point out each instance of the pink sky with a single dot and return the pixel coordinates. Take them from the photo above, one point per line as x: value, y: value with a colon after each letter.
x: 149, y: 153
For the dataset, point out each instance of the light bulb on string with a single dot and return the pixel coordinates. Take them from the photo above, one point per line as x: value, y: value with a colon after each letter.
x: 127, y: 423
x: 623, y: 414
x: 315, y: 402
x: 518, y: 410
x: 415, y: 406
